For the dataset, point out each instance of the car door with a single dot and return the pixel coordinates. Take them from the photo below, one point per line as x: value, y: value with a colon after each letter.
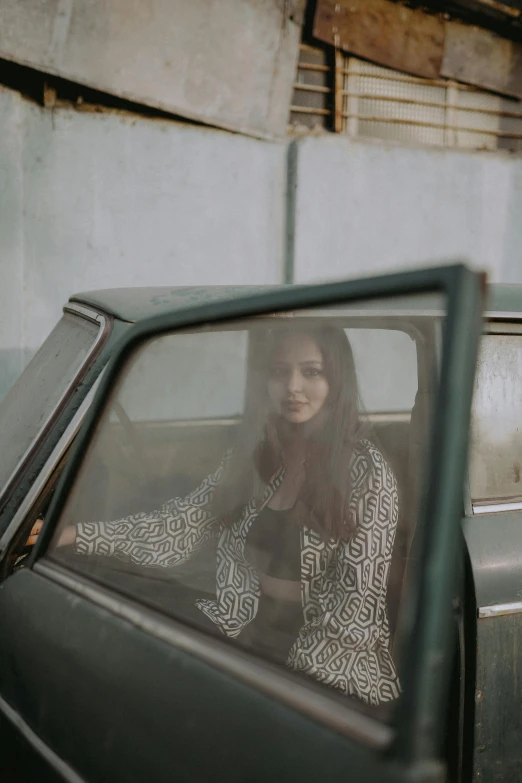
x: 492, y: 529
x: 108, y: 668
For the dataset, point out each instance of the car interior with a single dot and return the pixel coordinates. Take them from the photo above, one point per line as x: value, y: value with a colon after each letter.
x: 140, y: 461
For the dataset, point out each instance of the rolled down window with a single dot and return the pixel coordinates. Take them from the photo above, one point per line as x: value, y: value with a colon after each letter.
x: 27, y: 408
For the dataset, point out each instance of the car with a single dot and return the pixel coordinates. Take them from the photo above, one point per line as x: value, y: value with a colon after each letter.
x: 107, y: 669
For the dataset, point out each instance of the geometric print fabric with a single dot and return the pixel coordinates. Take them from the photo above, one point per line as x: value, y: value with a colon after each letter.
x: 344, y: 641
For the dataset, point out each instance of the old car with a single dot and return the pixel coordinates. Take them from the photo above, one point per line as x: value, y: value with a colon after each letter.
x: 107, y: 673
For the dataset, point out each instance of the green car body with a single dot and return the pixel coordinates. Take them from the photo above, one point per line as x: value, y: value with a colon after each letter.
x: 93, y: 687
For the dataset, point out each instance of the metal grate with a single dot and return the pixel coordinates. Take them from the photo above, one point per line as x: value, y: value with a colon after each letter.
x: 372, y: 101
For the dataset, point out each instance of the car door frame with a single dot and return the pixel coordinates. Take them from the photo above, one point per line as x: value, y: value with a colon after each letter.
x: 491, y: 534
x: 30, y: 465
x: 413, y: 747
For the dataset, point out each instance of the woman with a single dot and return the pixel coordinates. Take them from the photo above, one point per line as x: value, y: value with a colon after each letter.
x: 305, y: 510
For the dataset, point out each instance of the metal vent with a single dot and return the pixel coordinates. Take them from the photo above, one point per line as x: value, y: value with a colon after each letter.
x: 372, y: 101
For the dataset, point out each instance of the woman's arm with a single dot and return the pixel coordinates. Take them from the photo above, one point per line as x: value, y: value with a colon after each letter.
x: 164, y: 537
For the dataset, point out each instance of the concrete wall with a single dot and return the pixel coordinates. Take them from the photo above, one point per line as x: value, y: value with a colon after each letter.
x: 512, y: 239
x: 99, y: 200
x: 93, y: 200
x: 364, y: 207
x: 11, y: 240
x: 179, y: 56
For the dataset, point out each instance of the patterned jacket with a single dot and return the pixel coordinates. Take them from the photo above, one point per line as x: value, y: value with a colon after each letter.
x: 344, y: 641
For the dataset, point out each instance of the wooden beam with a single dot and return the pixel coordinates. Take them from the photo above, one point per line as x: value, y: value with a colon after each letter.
x: 410, y: 40
x: 384, y: 32
x: 476, y: 56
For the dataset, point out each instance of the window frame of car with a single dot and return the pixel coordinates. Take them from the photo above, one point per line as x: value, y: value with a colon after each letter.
x: 22, y: 520
x: 492, y: 592
x: 418, y: 716
x: 21, y: 480
x: 100, y: 320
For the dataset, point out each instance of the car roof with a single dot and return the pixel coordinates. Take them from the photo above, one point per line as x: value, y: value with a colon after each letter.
x: 136, y: 304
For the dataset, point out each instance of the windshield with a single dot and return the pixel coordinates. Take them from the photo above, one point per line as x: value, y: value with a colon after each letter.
x: 29, y: 404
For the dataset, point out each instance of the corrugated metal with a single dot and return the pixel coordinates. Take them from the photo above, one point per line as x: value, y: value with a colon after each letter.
x: 230, y: 63
x: 498, y: 718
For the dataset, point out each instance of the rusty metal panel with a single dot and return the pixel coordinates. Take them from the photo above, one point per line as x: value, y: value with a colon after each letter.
x: 477, y: 56
x: 494, y: 543
x: 384, y: 32
x: 498, y: 696
x: 230, y: 63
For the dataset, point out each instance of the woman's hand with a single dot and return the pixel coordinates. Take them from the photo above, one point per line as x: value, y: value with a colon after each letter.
x: 35, y: 532
x: 66, y: 538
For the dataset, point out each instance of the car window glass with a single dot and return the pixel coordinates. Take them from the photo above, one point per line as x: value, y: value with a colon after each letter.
x: 386, y: 384
x: 33, y: 398
x: 496, y: 433
x: 161, y: 396
x: 389, y: 382
x: 238, y: 482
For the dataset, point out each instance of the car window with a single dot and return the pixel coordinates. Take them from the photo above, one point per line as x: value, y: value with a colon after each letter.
x: 161, y: 396
x: 26, y: 409
x: 496, y: 431
x: 238, y: 482
x: 389, y: 381
x: 23, y: 529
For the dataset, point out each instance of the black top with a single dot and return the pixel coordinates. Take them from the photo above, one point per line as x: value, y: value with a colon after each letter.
x: 275, y: 543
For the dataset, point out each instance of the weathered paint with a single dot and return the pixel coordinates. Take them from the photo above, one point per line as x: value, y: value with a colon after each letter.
x: 420, y: 43
x: 500, y: 610
x: 134, y: 304
x: 498, y: 717
x: 494, y: 543
x: 496, y: 442
x: 177, y: 56
x: 479, y: 57
x: 384, y: 32
x: 129, y: 684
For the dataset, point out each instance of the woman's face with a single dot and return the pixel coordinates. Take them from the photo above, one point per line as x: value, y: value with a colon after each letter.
x: 297, y: 383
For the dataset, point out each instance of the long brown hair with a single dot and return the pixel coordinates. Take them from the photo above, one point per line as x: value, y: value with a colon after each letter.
x: 323, y: 503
